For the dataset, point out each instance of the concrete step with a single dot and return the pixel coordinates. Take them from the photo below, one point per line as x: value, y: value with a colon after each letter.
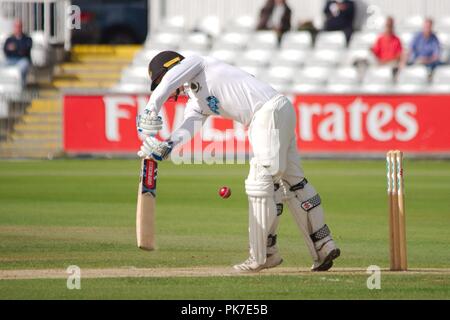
x: 89, y: 76
x: 40, y: 153
x: 106, y: 50
x: 48, y: 118
x: 94, y: 59
x: 24, y: 128
x: 18, y: 145
x: 19, y: 137
x: 22, y: 145
x: 49, y: 94
x: 39, y: 126
x: 44, y: 106
x: 123, y: 52
x: 73, y: 67
x: 66, y: 84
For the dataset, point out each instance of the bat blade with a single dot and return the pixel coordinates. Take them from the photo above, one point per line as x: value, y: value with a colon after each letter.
x: 146, y: 204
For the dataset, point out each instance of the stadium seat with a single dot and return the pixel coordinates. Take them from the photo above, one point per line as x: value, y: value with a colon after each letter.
x: 344, y: 76
x: 299, y: 40
x: 40, y: 49
x: 441, y: 75
x: 410, y: 88
x: 363, y: 40
x: 325, y: 57
x: 228, y: 56
x: 378, y: 75
x: 406, y: 38
x: 439, y: 88
x: 443, y: 24
x: 280, y: 87
x: 412, y: 24
x: 195, y: 41
x: 354, y: 55
x: 376, y: 88
x: 232, y: 41
x: 290, y: 57
x: 253, y: 70
x: 175, y: 24
x: 444, y: 39
x: 300, y: 88
x: 131, y: 88
x: 375, y: 24
x: 242, y: 24
x: 312, y: 75
x: 331, y: 40
x: 143, y: 58
x: 187, y: 52
x: 210, y: 25
x: 342, y: 88
x: 10, y: 79
x: 279, y: 75
x: 256, y: 57
x: 445, y: 55
x: 164, y: 41
x: 417, y: 75
x: 135, y: 75
x: 263, y: 40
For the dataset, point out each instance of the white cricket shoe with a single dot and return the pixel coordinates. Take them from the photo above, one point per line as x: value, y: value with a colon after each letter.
x: 327, y: 254
x: 250, y: 265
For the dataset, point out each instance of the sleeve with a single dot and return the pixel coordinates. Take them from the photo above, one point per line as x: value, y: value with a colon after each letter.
x: 187, y: 69
x: 413, y: 48
x: 192, y: 122
x: 376, y: 48
x: 436, y: 48
x: 7, y: 51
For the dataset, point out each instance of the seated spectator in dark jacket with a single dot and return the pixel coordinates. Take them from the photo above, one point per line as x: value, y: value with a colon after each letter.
x: 17, y: 49
x: 388, y: 47
x: 425, y: 48
x: 339, y: 16
x: 275, y: 15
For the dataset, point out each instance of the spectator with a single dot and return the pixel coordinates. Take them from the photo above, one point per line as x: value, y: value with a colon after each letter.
x: 425, y: 48
x: 276, y: 16
x: 339, y: 16
x: 17, y: 49
x: 388, y: 47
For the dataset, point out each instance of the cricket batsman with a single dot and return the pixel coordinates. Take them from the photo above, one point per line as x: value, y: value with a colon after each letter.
x: 275, y: 177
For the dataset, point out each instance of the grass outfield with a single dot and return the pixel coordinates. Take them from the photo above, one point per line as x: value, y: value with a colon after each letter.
x: 82, y: 212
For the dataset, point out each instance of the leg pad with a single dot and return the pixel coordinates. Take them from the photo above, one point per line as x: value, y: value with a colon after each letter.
x: 311, y: 203
x: 320, y: 234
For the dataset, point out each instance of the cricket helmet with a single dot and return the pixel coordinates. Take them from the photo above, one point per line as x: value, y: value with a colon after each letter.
x: 161, y: 63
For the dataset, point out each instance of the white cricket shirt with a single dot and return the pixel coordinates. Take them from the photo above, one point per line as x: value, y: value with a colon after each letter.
x: 214, y: 88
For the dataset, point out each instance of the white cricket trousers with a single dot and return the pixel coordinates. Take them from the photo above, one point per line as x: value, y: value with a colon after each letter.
x: 273, y: 139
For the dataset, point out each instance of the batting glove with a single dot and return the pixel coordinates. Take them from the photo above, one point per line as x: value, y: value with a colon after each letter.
x: 149, y: 123
x: 158, y: 150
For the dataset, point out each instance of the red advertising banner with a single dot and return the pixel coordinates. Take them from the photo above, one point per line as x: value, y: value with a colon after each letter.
x: 325, y: 123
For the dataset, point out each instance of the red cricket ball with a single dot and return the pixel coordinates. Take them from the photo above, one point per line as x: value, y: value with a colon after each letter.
x: 225, y: 192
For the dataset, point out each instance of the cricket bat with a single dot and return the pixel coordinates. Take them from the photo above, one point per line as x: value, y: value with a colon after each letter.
x: 146, y: 201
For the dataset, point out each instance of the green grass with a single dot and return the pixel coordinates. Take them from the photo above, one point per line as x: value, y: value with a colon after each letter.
x: 256, y: 287
x: 58, y: 213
